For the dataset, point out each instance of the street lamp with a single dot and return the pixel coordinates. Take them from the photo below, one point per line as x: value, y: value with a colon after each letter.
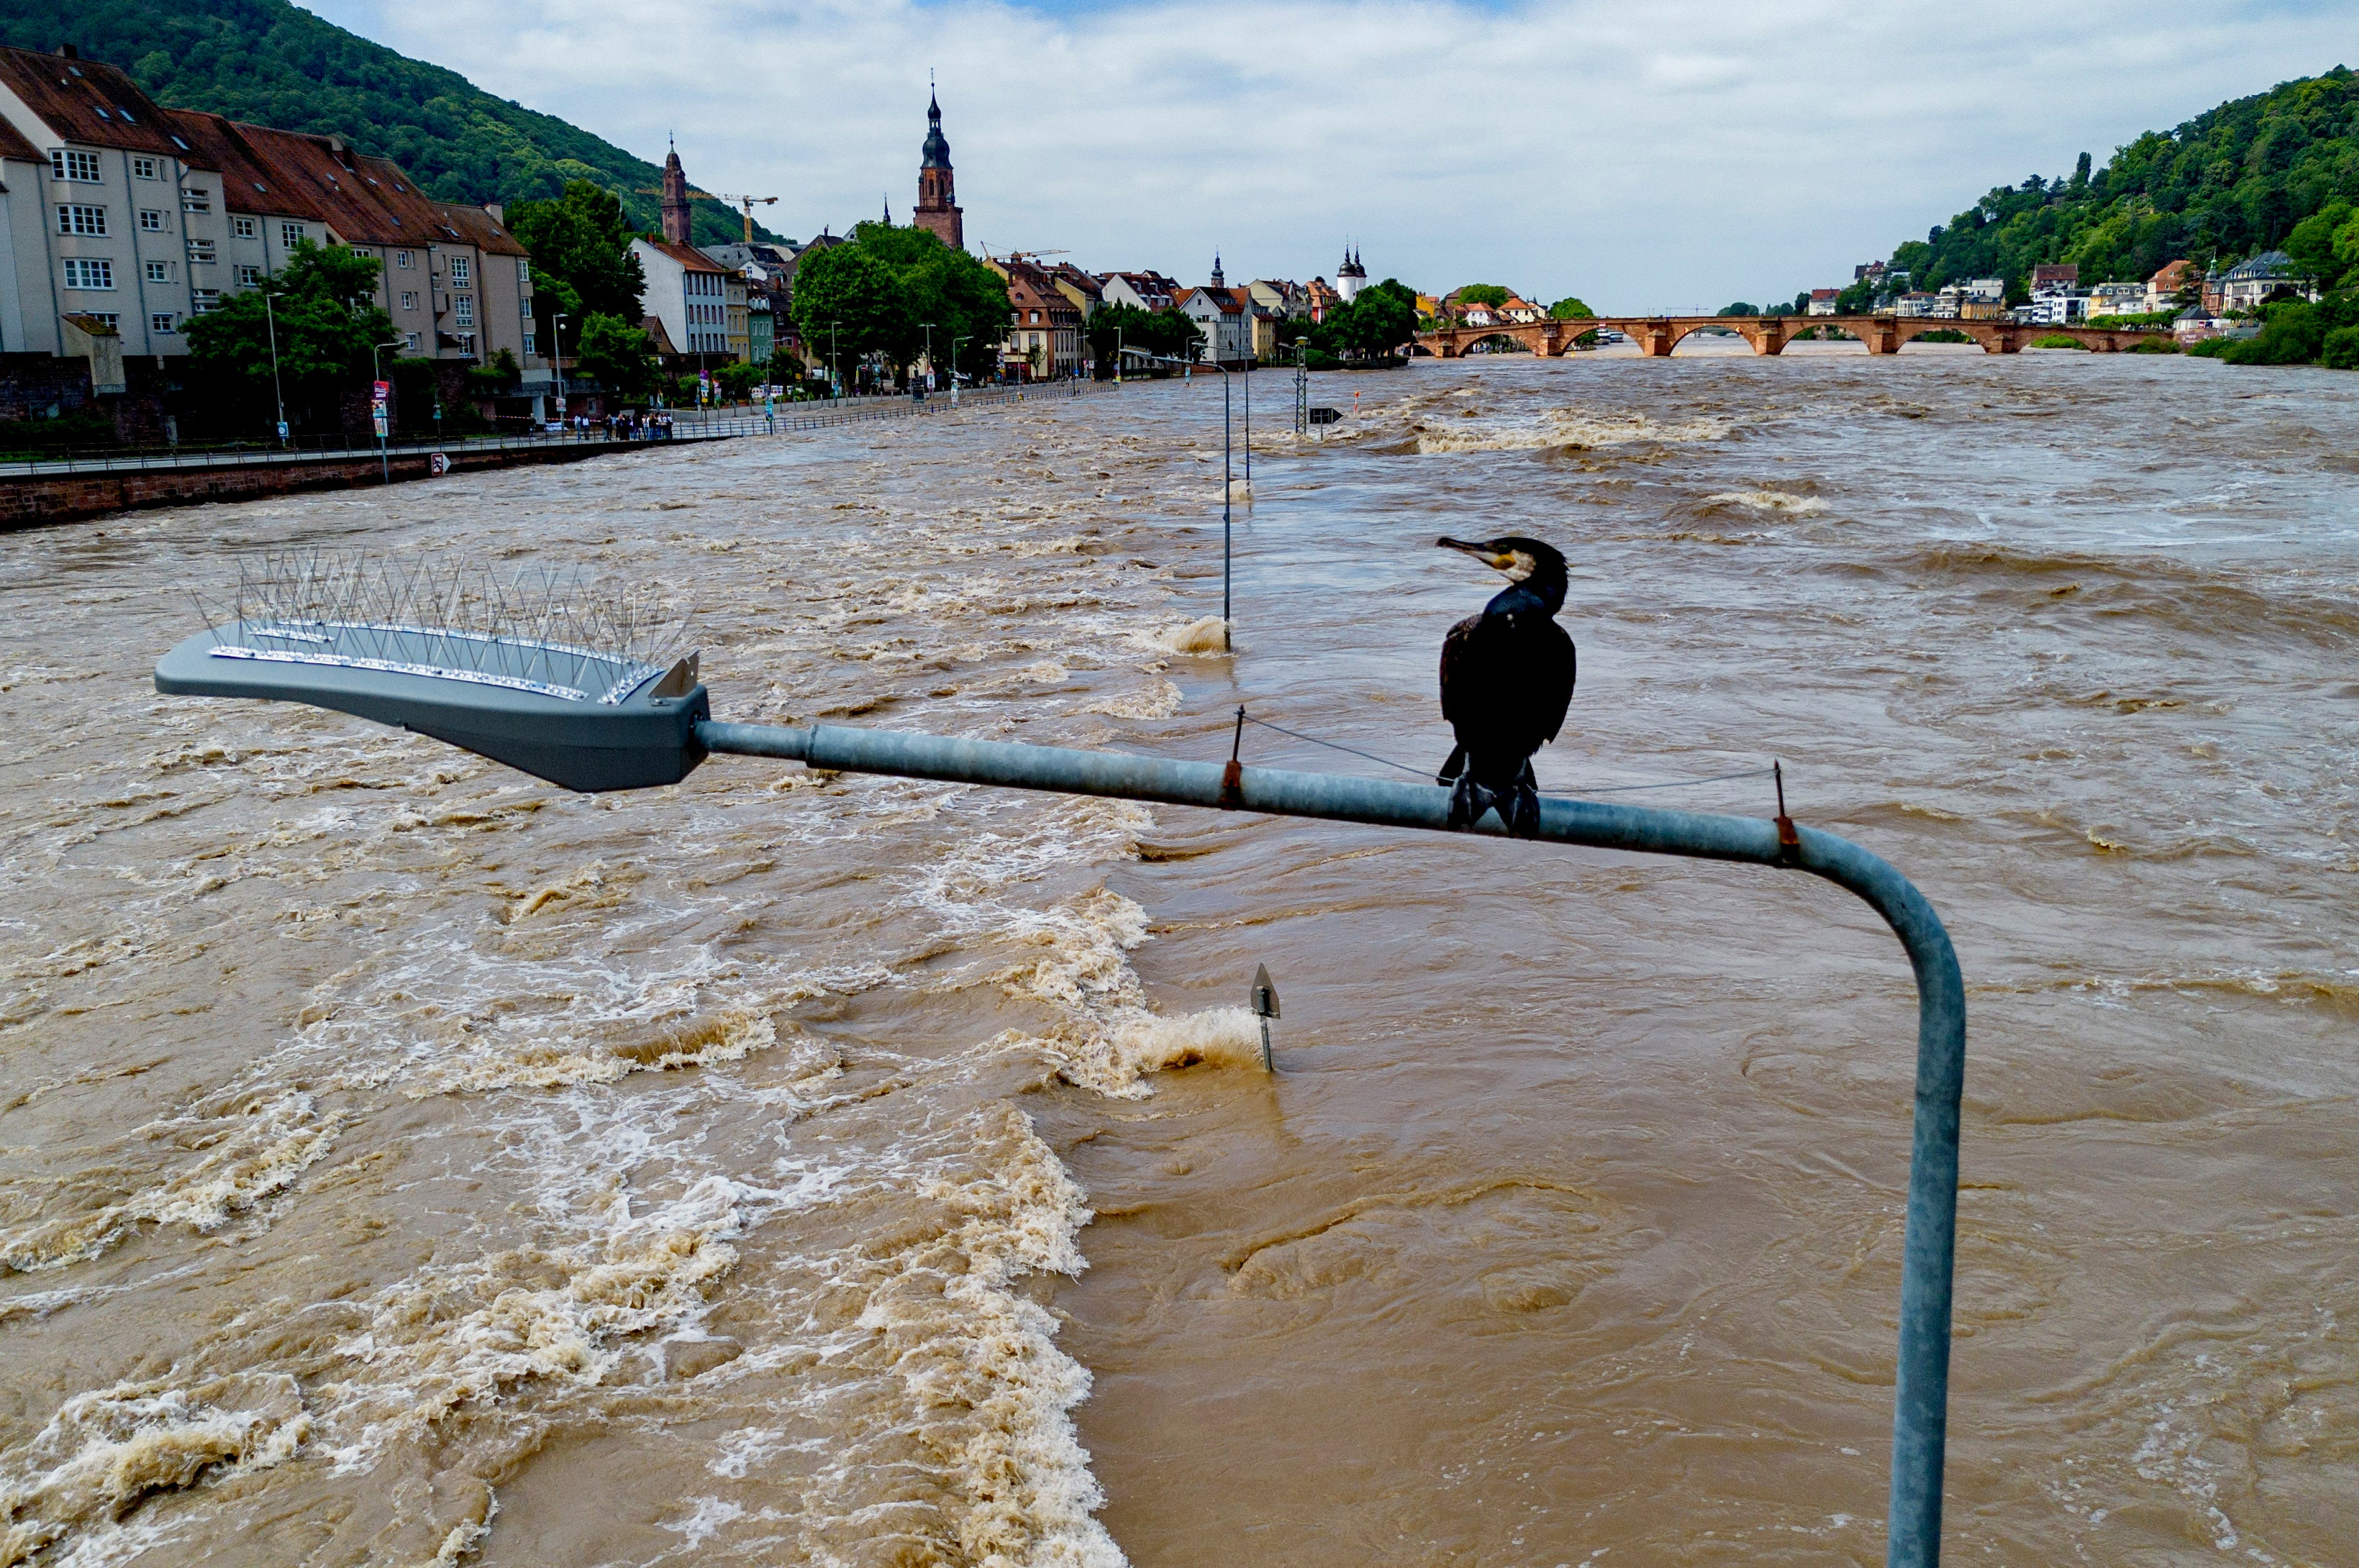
x: 1227, y: 526
x: 270, y: 320
x: 962, y: 337
x: 834, y: 386
x: 557, y: 343
x: 376, y: 373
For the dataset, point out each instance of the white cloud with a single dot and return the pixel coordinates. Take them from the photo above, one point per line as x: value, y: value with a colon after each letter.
x: 1663, y: 155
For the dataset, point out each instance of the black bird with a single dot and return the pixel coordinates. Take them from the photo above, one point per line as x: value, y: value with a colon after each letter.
x: 1506, y: 680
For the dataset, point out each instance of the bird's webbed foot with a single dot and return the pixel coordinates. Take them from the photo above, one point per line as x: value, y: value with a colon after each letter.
x: 1468, y: 801
x: 1520, y: 808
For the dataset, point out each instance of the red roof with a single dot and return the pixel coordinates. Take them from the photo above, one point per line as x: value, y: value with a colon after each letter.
x: 86, y: 102
x: 688, y: 256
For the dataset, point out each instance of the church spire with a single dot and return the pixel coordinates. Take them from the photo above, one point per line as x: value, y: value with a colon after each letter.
x: 1218, y: 282
x: 675, y: 195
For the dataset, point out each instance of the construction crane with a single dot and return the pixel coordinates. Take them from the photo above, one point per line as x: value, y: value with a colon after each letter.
x: 747, y: 203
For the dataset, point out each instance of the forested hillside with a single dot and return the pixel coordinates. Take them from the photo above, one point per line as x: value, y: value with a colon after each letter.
x: 270, y: 62
x: 2261, y: 173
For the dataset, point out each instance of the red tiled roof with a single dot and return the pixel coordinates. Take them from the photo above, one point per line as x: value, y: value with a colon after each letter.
x: 13, y: 145
x: 688, y: 256
x: 366, y: 201
x: 86, y: 102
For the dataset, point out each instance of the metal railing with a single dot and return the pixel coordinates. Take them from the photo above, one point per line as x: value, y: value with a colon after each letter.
x: 1921, y: 1395
x: 688, y: 425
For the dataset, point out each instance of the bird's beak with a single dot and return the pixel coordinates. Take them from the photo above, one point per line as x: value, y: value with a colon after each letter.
x: 1482, y: 553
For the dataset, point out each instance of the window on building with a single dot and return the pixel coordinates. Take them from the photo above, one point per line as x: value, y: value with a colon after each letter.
x: 290, y: 235
x: 83, y: 272
x: 401, y: 259
x: 413, y: 341
x: 144, y: 168
x: 159, y: 272
x: 410, y: 299
x: 244, y: 228
x: 106, y: 319
x: 249, y: 277
x: 151, y: 219
x: 201, y: 252
x: 78, y: 219
x: 65, y: 163
x: 192, y: 200
x: 523, y: 272
x: 530, y: 346
x: 160, y: 323
x: 458, y: 270
x: 202, y: 299
x: 464, y: 310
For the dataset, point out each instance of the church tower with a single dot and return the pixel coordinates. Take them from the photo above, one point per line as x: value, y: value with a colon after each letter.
x: 1351, y: 277
x: 937, y: 207
x: 675, y: 199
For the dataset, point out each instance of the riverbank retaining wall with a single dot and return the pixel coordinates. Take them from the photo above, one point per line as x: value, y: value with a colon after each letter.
x: 36, y: 500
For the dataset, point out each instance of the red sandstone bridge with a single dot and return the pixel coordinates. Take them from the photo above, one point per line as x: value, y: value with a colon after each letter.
x: 1658, y: 335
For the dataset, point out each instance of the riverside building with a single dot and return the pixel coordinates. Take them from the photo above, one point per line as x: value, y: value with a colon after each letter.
x: 134, y: 218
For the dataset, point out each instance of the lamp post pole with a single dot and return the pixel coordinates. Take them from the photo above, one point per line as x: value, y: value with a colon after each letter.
x: 556, y: 355
x: 834, y: 384
x: 961, y: 338
x: 930, y: 346
x: 376, y: 373
x: 270, y: 321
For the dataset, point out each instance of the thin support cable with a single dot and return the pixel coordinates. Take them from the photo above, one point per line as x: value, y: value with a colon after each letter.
x: 1427, y: 772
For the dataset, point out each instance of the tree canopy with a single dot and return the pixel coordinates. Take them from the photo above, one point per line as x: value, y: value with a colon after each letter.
x: 321, y: 311
x: 582, y: 260
x: 618, y: 355
x: 1377, y: 321
x: 1122, y: 325
x: 2246, y: 177
x: 1482, y: 293
x: 880, y: 292
x: 1572, y: 309
x: 276, y: 64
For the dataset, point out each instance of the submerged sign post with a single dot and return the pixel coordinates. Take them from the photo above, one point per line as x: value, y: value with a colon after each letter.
x: 380, y: 401
x: 528, y: 689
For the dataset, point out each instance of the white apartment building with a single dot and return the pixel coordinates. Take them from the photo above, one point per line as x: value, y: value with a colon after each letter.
x: 692, y: 295
x: 141, y: 217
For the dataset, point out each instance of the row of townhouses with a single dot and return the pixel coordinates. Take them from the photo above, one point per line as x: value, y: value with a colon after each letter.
x: 119, y: 216
x: 2058, y: 298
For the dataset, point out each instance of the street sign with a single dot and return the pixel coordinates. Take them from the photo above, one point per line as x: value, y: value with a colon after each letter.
x: 439, y: 464
x: 282, y: 429
x: 381, y: 424
x: 1326, y: 416
x: 383, y: 390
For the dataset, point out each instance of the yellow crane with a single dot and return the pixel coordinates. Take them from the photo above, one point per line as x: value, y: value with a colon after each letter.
x: 746, y: 202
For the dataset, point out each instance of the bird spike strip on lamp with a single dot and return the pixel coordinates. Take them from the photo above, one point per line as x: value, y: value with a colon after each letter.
x: 583, y: 683
x: 567, y: 681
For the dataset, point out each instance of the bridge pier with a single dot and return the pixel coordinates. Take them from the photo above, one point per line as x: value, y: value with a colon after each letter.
x: 1655, y: 338
x: 1769, y: 338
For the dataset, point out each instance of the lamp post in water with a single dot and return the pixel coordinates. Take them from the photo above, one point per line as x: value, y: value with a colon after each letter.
x: 962, y: 337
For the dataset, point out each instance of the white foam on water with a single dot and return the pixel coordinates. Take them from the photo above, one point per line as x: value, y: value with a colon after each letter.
x: 1769, y: 501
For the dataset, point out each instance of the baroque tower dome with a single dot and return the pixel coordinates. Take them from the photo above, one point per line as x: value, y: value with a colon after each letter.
x: 938, y: 208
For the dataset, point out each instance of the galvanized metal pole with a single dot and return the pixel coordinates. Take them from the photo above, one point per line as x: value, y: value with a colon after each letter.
x: 1921, y: 1404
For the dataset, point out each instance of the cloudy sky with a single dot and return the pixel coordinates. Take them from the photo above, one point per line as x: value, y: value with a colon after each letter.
x: 1644, y: 155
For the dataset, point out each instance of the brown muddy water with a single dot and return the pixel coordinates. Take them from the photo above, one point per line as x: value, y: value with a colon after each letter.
x: 404, y: 1161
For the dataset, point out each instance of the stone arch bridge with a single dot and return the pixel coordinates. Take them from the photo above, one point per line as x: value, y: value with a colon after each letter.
x: 1658, y: 335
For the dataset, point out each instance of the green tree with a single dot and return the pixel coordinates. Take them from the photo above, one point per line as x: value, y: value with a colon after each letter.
x: 320, y: 310
x: 1493, y: 294
x: 1739, y: 309
x: 1113, y: 328
x: 1572, y: 309
x: 617, y: 355
x: 878, y: 294
x: 582, y: 260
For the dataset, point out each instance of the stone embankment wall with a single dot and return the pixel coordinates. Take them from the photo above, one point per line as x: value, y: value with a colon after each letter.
x: 32, y: 500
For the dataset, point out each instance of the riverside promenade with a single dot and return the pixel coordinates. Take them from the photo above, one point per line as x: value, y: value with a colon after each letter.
x: 74, y: 487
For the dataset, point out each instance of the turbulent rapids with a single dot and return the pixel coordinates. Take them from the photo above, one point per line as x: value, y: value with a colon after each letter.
x: 403, y: 1162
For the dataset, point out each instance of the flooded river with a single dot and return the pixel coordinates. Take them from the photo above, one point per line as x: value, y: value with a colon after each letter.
x: 403, y: 1162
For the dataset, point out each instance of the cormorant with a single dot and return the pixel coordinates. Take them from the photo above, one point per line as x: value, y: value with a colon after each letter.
x: 1506, y: 680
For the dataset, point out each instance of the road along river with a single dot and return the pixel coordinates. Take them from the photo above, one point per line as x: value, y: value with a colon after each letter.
x: 402, y: 1161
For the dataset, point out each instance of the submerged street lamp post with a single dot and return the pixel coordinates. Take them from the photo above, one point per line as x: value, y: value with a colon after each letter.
x: 594, y: 722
